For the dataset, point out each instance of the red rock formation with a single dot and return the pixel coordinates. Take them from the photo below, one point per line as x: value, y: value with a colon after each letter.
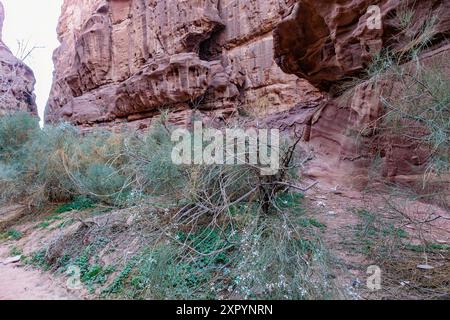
x: 327, y: 42
x: 16, y: 80
x: 123, y: 60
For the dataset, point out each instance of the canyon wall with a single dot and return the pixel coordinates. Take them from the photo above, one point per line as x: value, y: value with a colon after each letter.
x: 16, y: 80
x: 331, y: 44
x: 122, y: 61
x: 329, y: 41
x: 291, y: 62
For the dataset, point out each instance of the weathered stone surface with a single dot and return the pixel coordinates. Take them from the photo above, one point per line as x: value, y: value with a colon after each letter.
x: 326, y: 41
x: 120, y: 61
x: 344, y: 135
x: 16, y: 80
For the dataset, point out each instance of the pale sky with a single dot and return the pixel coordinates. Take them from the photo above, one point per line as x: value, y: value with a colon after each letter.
x: 34, y: 21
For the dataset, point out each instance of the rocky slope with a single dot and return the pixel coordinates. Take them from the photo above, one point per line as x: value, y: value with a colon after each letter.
x: 121, y: 61
x: 16, y: 80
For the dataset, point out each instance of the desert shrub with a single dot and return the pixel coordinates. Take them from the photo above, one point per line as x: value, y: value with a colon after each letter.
x: 101, y: 180
x: 417, y: 109
x: 150, y: 162
x: 79, y: 203
x: 86, y: 164
x: 10, y: 186
x: 229, y: 229
x: 242, y: 252
x: 59, y: 163
x: 281, y: 256
x: 421, y: 97
x: 16, y: 130
x: 173, y: 271
x: 43, y: 166
x: 216, y: 186
x: 416, y: 115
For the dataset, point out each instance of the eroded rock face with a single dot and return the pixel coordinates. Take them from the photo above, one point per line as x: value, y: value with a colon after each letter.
x: 121, y: 61
x: 16, y: 80
x: 326, y: 41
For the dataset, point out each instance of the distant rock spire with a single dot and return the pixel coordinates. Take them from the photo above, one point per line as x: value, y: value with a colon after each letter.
x: 16, y: 80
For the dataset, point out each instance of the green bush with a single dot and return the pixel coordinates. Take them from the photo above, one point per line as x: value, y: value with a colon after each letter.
x: 101, y: 180
x: 80, y: 203
x: 280, y: 259
x: 57, y: 163
x: 15, y: 131
x: 11, y: 234
x: 10, y: 184
x: 241, y: 238
x: 151, y: 163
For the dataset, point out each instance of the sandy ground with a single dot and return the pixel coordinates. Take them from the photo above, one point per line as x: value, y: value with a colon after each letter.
x: 19, y: 283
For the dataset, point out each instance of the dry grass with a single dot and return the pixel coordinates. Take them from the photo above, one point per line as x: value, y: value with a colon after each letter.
x: 398, y: 242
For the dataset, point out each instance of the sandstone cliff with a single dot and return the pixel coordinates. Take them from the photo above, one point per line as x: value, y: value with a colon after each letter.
x: 121, y: 61
x: 329, y: 43
x: 16, y: 80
